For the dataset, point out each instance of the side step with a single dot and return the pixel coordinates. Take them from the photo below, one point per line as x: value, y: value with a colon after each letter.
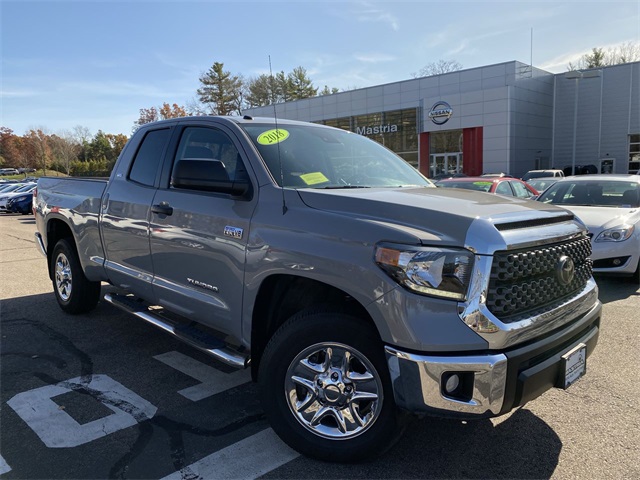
x: 193, y: 336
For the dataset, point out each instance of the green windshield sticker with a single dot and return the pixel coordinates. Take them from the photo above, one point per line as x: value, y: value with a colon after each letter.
x: 271, y: 137
x: 313, y: 178
x: 482, y: 183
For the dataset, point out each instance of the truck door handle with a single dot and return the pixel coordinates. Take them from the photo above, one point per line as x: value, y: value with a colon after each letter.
x: 162, y: 209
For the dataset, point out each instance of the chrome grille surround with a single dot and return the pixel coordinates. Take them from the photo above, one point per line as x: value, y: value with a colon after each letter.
x: 485, y: 240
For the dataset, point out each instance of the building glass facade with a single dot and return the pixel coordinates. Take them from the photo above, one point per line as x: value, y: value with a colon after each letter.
x: 397, y: 130
x: 634, y: 153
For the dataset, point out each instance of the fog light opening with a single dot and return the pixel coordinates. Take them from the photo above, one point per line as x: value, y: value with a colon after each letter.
x: 617, y: 262
x: 457, y: 385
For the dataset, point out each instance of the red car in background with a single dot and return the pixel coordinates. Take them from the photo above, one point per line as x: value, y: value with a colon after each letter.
x: 512, y: 187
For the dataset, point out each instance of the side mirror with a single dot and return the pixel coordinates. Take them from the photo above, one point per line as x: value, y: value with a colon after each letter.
x: 207, y: 175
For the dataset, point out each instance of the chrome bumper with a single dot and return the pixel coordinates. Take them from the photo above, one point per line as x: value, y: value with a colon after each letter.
x: 417, y: 382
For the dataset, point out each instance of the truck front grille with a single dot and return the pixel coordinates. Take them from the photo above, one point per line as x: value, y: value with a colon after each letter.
x: 525, y: 280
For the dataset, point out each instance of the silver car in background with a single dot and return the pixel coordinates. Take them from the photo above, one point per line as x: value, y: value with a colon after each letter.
x: 609, y: 205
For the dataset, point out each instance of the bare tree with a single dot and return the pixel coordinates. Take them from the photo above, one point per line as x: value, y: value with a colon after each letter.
x: 82, y: 135
x: 599, y: 57
x: 195, y: 107
x: 438, y: 68
x: 625, y: 53
x: 65, y: 149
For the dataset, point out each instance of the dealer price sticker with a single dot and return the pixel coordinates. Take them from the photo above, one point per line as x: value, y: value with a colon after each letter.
x: 575, y: 364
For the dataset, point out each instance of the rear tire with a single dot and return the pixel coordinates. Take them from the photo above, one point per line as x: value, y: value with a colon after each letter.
x: 326, y: 389
x: 74, y: 292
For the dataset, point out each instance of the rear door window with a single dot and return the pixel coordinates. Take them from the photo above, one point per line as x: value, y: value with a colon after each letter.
x: 521, y: 190
x: 149, y: 157
x: 503, y: 188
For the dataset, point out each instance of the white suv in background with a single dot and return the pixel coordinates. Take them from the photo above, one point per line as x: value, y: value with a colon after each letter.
x: 542, y: 173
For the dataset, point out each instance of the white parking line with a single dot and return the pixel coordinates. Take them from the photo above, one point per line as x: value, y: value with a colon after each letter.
x: 57, y: 429
x: 4, y: 466
x: 248, y: 459
x: 213, y: 381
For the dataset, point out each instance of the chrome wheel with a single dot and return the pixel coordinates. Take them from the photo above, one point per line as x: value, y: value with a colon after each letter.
x: 333, y: 390
x: 63, y: 277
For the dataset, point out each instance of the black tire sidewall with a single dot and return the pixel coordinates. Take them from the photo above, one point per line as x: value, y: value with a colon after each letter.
x: 84, y: 294
x: 298, y: 333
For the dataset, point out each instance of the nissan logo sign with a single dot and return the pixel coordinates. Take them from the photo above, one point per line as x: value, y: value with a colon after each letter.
x: 440, y: 113
x: 565, y: 270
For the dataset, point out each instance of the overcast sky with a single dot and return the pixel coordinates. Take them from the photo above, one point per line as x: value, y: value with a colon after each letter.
x: 97, y: 63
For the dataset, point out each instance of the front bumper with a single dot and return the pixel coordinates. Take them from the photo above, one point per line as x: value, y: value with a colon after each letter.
x: 616, y: 257
x: 499, y: 381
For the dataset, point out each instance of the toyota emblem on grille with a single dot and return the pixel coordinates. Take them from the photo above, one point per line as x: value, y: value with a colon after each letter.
x: 565, y: 270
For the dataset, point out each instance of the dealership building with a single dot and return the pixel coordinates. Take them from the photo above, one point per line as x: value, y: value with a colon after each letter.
x: 509, y: 117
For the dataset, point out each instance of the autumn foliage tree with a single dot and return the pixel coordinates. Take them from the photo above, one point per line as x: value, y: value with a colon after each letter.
x: 9, y: 147
x: 165, y: 111
x: 74, y: 152
x: 39, y: 143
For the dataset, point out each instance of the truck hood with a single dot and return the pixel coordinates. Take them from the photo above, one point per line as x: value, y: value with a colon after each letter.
x: 435, y: 214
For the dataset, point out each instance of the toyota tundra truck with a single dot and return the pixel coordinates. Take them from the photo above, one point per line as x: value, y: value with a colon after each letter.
x: 355, y: 291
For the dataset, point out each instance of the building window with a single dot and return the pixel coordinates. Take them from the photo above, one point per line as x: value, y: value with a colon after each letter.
x: 397, y: 130
x: 634, y: 153
x: 449, y: 141
x: 445, y: 153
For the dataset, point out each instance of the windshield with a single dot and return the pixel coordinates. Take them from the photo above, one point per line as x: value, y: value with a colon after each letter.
x: 542, y: 185
x: 11, y: 188
x: 534, y: 174
x: 306, y: 156
x: 598, y: 194
x: 26, y: 188
x: 480, y: 185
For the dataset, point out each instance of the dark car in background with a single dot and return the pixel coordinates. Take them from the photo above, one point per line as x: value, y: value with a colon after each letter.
x: 20, y: 204
x: 509, y: 186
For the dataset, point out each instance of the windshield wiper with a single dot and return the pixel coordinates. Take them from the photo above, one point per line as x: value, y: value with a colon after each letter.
x: 334, y: 187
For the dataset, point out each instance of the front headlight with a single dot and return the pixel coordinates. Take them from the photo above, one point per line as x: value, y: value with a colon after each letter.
x: 441, y: 272
x: 617, y: 234
x: 19, y: 199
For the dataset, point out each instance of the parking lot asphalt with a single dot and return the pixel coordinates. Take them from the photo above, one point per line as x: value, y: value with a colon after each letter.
x: 172, y: 412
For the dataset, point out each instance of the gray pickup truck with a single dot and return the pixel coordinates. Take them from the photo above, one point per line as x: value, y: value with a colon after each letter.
x: 354, y: 290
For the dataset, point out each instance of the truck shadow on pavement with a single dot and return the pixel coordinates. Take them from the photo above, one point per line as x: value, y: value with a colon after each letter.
x: 615, y: 288
x: 522, y: 446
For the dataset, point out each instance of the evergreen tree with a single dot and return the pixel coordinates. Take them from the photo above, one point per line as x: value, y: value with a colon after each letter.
x: 300, y: 85
x: 220, y: 91
x: 260, y: 91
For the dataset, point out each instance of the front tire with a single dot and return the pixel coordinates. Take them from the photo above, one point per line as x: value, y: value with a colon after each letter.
x: 326, y: 389
x: 74, y: 292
